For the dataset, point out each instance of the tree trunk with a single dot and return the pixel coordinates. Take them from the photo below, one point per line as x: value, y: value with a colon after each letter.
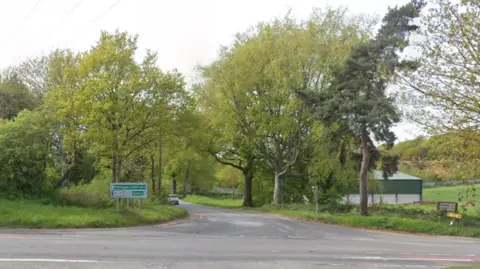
x: 233, y: 187
x: 277, y: 199
x: 282, y: 183
x: 247, y: 192
x: 119, y: 168
x: 185, y: 183
x: 364, y: 172
x: 152, y: 162
x: 114, y: 167
x: 63, y: 157
x: 174, y: 186
x: 160, y: 171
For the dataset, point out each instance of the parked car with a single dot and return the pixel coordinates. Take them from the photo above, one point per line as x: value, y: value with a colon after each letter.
x: 173, y: 198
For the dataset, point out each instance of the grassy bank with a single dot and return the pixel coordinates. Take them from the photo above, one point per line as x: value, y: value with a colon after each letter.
x: 38, y: 214
x: 397, y: 218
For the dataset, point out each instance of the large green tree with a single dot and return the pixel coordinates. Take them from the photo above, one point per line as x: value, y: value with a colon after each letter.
x: 256, y: 78
x: 357, y: 98
x: 123, y: 100
x: 228, y: 138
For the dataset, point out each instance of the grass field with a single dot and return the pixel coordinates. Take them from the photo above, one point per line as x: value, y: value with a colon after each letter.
x: 446, y: 193
x: 219, y: 202
x: 34, y: 214
x: 451, y: 194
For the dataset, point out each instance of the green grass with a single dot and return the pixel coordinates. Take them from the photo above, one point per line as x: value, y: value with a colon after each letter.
x: 219, y: 202
x: 450, y: 194
x: 445, y: 193
x: 34, y: 214
x: 412, y: 224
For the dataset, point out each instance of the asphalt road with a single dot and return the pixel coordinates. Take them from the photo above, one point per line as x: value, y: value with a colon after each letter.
x: 224, y: 239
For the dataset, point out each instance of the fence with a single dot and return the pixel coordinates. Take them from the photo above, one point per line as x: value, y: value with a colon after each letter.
x: 451, y: 183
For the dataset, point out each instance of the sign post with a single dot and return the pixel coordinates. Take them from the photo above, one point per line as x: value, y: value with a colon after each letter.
x: 129, y: 190
x: 315, y: 188
x: 452, y: 210
x: 447, y: 206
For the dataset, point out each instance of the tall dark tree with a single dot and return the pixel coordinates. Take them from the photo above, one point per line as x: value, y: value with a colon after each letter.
x: 357, y: 98
x: 14, y: 97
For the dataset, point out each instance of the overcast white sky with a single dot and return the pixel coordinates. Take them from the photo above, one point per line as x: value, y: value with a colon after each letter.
x: 183, y: 32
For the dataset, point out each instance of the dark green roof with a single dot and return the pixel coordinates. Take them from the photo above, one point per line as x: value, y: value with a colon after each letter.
x: 396, y: 176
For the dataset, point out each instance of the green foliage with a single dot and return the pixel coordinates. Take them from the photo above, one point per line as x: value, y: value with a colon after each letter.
x: 229, y: 177
x: 441, y: 157
x: 446, y: 91
x: 25, y: 153
x: 95, y: 194
x: 14, y: 97
x: 356, y: 98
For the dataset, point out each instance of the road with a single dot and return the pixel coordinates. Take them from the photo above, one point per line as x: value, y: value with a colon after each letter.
x: 224, y: 239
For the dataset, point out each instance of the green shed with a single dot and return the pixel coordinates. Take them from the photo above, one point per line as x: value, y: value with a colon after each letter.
x: 400, y: 188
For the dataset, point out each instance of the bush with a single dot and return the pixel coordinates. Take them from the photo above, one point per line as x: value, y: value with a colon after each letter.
x: 94, y: 194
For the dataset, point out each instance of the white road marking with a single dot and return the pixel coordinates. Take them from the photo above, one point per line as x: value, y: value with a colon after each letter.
x: 47, y: 260
x: 405, y: 259
x: 433, y: 254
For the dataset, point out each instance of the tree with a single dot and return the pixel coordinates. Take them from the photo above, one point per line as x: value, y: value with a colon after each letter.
x: 224, y: 110
x: 25, y: 153
x: 64, y: 78
x: 33, y: 72
x: 123, y: 101
x: 14, y: 97
x: 443, y: 95
x: 282, y: 122
x: 446, y: 86
x: 258, y: 75
x: 357, y: 98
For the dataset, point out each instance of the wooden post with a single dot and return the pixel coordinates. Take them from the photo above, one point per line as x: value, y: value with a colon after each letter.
x: 233, y: 187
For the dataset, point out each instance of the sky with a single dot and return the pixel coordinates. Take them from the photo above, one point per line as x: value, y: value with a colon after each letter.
x: 184, y: 33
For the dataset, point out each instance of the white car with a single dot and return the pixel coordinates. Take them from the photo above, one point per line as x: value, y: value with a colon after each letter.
x: 173, y: 198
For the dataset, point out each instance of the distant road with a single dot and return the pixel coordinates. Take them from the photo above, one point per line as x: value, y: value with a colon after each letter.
x: 223, y: 239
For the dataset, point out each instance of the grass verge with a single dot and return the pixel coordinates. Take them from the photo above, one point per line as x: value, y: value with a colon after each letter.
x: 218, y: 202
x: 382, y: 222
x: 392, y: 218
x: 34, y: 214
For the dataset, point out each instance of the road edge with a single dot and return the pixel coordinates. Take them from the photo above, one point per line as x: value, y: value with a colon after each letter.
x: 385, y: 231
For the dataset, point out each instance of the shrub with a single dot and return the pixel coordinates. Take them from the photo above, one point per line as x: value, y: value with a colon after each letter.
x: 93, y: 194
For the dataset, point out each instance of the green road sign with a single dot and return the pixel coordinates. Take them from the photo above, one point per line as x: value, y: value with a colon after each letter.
x: 128, y: 190
x: 137, y: 193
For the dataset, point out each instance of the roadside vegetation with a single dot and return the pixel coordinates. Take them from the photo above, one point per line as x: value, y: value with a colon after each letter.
x: 84, y: 206
x: 219, y: 202
x: 44, y: 214
x: 288, y: 105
